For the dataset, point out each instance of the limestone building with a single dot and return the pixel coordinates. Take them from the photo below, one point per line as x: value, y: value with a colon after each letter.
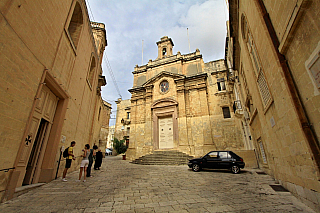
x: 110, y: 137
x: 122, y: 126
x: 50, y: 80
x: 103, y: 122
x: 179, y: 102
x: 273, y: 50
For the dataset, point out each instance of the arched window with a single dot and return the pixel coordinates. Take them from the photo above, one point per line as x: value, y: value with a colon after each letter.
x: 91, y: 71
x: 75, y: 24
x: 256, y: 62
x: 244, y: 27
x: 164, y: 51
x: 99, y: 113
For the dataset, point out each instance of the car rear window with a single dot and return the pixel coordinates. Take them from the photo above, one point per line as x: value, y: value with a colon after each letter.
x: 224, y: 155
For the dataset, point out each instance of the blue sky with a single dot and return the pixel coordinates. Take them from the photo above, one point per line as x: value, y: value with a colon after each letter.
x: 128, y: 22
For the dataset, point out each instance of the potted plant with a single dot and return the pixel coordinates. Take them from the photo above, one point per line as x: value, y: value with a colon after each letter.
x: 120, y: 147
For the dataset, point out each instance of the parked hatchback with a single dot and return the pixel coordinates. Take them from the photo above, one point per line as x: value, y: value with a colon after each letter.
x: 218, y: 160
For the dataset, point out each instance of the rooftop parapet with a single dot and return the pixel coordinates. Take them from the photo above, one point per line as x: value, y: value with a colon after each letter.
x: 167, y: 60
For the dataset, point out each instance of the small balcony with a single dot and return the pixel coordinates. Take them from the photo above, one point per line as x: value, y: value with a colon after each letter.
x: 237, y: 108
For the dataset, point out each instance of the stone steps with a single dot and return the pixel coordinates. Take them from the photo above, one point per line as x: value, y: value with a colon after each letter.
x: 169, y: 157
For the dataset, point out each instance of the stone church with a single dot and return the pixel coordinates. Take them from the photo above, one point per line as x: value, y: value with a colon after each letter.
x: 181, y: 103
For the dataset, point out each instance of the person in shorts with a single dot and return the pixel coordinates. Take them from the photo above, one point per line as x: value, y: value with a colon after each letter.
x: 91, y: 159
x: 69, y: 160
x: 84, y: 163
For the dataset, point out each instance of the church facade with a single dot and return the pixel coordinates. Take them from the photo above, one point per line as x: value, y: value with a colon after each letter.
x: 181, y: 103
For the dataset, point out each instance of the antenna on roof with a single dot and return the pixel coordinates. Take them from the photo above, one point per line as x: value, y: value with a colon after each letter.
x: 188, y: 40
x: 142, y: 54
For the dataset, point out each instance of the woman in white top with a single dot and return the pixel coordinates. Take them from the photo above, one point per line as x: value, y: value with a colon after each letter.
x: 85, y: 162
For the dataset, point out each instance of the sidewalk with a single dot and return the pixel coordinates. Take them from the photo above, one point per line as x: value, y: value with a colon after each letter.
x: 124, y: 187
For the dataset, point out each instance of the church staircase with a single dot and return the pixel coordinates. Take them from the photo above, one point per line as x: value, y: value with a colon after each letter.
x: 168, y: 157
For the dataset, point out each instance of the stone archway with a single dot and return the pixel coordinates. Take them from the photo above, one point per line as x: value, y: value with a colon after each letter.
x: 165, y: 124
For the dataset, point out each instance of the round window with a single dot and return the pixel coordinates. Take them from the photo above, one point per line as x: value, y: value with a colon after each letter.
x: 164, y: 86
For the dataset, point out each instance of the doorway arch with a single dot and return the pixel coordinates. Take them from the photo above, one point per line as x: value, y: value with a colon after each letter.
x: 163, y: 112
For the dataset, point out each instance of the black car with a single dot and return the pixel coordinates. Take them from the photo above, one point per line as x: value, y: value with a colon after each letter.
x: 218, y: 160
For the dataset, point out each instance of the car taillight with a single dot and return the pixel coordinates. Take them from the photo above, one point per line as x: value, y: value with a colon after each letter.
x: 241, y: 159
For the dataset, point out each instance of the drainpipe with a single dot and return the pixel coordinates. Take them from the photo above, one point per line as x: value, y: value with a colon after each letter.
x: 299, y: 108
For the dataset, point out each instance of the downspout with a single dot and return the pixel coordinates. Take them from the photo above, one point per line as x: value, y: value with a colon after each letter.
x: 298, y: 105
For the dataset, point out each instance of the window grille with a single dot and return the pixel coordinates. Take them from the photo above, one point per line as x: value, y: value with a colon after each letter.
x: 263, y: 154
x: 264, y: 90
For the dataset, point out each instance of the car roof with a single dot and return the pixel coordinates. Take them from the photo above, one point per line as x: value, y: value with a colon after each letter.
x: 226, y: 151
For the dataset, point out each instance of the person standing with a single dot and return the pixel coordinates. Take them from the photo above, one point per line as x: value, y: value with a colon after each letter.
x: 98, y: 162
x: 84, y: 163
x: 69, y: 160
x: 90, y: 158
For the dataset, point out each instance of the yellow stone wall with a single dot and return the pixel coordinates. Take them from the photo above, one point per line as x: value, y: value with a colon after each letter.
x: 121, y: 128
x: 104, y: 119
x: 34, y: 43
x: 289, y: 156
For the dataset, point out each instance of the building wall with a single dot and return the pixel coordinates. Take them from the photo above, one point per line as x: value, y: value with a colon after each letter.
x: 110, y: 136
x: 45, y: 78
x: 122, y: 126
x: 282, y: 51
x: 104, y: 118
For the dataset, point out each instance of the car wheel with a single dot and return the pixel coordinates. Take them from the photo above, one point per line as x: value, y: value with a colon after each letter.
x: 196, y: 167
x: 235, y: 169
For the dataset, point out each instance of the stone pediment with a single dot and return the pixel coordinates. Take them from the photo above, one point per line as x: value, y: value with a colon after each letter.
x: 163, y: 74
x: 165, y: 102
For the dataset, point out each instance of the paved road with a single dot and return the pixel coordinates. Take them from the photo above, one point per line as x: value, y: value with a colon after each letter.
x: 124, y: 187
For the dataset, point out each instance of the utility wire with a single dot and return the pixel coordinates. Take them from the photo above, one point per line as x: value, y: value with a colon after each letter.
x: 108, y: 100
x: 107, y: 63
x: 90, y: 10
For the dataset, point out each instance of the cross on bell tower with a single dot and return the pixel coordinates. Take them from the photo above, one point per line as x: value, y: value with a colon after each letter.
x: 165, y: 47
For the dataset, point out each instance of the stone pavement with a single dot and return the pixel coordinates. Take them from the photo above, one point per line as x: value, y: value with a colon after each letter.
x: 124, y: 187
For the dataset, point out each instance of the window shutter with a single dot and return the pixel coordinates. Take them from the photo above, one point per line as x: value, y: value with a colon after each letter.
x: 264, y: 90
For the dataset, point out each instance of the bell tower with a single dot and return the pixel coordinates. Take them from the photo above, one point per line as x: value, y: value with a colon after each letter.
x: 165, y: 47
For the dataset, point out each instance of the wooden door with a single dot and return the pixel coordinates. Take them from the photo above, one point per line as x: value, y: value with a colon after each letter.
x: 36, y: 141
x: 165, y: 133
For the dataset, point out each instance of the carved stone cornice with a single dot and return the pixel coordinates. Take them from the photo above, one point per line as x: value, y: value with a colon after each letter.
x: 170, y: 59
x: 192, y: 82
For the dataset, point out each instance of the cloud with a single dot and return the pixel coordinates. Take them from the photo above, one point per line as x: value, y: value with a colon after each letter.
x: 129, y: 22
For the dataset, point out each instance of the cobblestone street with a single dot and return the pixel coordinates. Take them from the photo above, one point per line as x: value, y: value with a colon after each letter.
x: 124, y: 187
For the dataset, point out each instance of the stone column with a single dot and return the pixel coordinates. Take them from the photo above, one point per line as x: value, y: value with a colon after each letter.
x: 183, y: 142
x: 148, y: 118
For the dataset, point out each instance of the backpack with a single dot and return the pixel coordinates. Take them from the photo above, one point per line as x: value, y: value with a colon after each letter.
x: 66, y: 153
x: 90, y: 157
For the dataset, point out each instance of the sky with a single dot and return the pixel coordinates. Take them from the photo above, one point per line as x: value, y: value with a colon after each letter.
x: 131, y: 23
